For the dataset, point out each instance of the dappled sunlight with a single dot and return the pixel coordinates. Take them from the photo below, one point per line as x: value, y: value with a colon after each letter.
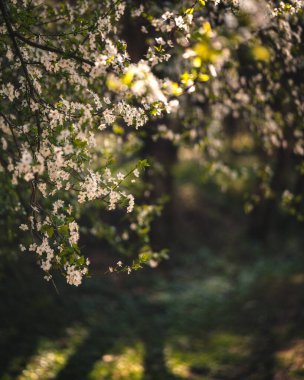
x: 51, y: 356
x: 291, y: 359
x: 151, y: 190
x: 126, y: 364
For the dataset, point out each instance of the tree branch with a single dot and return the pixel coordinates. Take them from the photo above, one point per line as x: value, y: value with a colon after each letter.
x: 18, y: 52
x: 53, y: 49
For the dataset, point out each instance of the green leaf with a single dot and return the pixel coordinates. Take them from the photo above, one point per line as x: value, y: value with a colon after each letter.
x: 79, y: 143
x: 143, y: 164
x: 64, y: 230
x: 47, y: 229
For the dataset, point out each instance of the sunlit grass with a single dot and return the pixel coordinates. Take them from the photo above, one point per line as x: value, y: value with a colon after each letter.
x: 52, y: 356
x: 291, y: 359
x: 125, y: 364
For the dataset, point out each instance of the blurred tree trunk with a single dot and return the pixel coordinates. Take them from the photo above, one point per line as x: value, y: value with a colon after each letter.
x: 164, y: 156
x: 266, y: 212
x: 162, y: 153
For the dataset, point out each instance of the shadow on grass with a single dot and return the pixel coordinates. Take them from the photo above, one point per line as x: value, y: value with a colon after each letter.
x: 214, y: 326
x: 232, y: 310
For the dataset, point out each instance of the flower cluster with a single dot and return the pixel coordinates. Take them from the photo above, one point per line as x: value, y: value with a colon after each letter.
x: 69, y: 91
x: 73, y: 105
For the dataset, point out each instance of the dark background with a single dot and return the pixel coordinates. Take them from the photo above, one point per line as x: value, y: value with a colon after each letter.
x: 225, y: 306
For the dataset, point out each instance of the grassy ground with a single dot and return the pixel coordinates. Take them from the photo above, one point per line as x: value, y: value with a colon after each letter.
x: 224, y: 307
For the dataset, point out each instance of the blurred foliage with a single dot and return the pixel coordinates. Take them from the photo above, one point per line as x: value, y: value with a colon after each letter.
x: 223, y: 192
x: 225, y: 306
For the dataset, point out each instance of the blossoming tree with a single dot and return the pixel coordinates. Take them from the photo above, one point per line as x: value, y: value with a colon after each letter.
x: 73, y: 105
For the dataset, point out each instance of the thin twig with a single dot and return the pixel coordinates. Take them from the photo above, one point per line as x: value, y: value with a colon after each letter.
x: 53, y: 49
